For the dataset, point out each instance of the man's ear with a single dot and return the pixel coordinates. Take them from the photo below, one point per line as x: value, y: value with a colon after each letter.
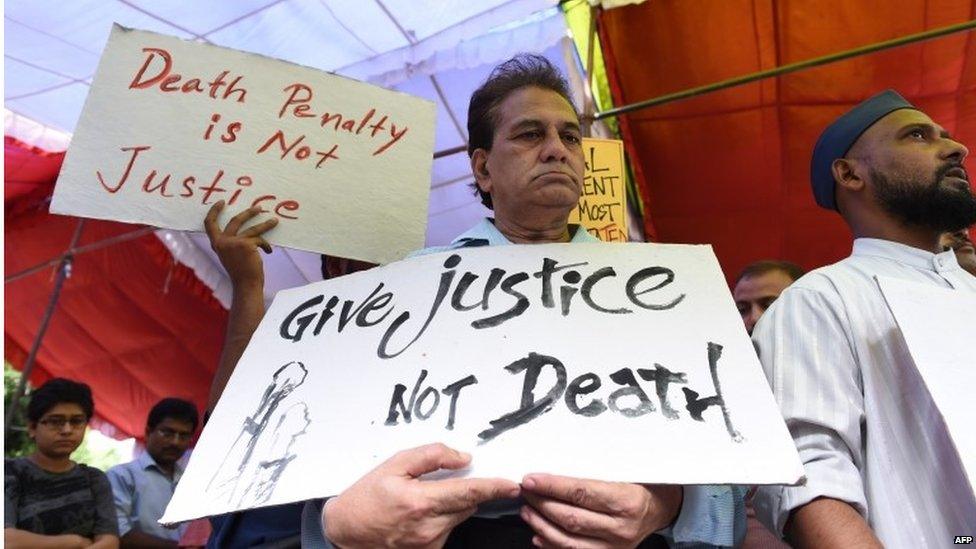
x: 846, y: 174
x: 479, y: 168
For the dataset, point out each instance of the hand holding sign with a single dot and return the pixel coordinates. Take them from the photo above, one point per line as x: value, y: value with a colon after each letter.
x: 571, y: 512
x: 392, y: 505
x: 238, y: 251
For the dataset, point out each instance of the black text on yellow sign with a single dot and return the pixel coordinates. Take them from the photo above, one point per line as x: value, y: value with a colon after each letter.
x: 602, y: 208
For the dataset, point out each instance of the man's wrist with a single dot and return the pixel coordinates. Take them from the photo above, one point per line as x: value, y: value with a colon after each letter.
x: 329, y: 523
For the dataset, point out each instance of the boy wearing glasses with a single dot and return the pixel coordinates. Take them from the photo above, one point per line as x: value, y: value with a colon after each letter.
x: 49, y: 500
x: 144, y: 486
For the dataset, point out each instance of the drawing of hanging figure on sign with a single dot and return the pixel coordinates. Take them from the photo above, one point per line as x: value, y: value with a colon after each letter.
x: 264, y: 448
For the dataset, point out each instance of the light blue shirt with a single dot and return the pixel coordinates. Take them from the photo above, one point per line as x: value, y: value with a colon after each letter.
x: 711, y: 515
x: 142, y: 491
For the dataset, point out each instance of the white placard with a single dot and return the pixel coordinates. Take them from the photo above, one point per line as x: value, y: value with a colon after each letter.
x: 171, y: 127
x: 630, y: 342
x: 939, y: 327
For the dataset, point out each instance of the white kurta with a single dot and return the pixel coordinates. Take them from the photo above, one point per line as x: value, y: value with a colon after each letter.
x: 866, y: 428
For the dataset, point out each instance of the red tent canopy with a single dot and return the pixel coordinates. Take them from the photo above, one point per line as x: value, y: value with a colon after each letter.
x: 731, y: 168
x: 728, y: 168
x: 130, y: 322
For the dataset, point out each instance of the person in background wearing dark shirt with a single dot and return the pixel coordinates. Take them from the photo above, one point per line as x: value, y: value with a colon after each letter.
x: 49, y: 500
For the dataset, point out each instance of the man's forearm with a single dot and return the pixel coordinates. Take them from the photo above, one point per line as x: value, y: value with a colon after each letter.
x: 14, y: 538
x: 141, y: 540
x: 246, y: 311
x: 829, y: 522
x: 105, y: 541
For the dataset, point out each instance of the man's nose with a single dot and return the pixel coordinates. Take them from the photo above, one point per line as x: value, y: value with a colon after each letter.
x: 955, y: 150
x: 554, y: 149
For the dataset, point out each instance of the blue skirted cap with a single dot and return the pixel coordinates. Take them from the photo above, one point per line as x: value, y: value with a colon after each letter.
x: 840, y: 136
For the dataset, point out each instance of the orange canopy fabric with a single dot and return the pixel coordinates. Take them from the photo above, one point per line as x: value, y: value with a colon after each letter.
x: 731, y: 168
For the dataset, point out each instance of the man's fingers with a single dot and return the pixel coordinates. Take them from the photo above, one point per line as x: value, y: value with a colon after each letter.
x: 260, y: 228
x: 263, y: 244
x: 549, y: 534
x: 603, y: 497
x: 462, y: 494
x: 574, y: 520
x: 235, y: 222
x: 426, y: 459
x: 210, y: 221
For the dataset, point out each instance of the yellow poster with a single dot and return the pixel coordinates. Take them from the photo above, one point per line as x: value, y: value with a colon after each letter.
x: 602, y: 207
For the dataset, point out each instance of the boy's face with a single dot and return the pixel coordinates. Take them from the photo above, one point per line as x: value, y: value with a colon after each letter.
x: 60, y: 430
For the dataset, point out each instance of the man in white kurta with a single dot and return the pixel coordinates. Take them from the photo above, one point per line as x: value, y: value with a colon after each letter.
x: 879, y: 462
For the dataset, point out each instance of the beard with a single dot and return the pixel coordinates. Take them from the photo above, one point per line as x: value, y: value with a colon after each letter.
x: 934, y: 206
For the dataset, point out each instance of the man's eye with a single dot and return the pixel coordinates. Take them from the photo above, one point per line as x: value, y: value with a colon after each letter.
x: 572, y: 138
x: 531, y: 134
x: 917, y: 134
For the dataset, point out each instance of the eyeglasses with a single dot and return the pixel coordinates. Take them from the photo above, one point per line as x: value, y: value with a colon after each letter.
x: 170, y: 434
x: 58, y: 422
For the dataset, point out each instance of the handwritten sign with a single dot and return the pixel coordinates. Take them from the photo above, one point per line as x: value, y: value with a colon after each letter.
x: 937, y: 325
x: 170, y: 127
x: 602, y: 207
x: 502, y: 352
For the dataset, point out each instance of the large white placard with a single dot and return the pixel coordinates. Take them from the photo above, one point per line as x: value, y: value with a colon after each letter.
x: 171, y: 127
x: 620, y: 362
x: 939, y: 327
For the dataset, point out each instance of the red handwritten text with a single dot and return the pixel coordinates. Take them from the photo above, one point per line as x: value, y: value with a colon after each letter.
x: 301, y: 153
x: 297, y: 105
x: 209, y: 191
x: 171, y: 82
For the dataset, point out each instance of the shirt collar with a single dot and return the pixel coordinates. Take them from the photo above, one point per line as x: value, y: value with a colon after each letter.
x: 486, y: 230
x: 145, y: 461
x: 909, y: 255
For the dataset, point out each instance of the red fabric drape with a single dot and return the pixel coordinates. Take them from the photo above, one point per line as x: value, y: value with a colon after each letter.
x: 130, y: 322
x: 731, y: 168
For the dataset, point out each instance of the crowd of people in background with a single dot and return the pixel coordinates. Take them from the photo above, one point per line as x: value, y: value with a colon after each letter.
x: 52, y: 501
x: 824, y: 340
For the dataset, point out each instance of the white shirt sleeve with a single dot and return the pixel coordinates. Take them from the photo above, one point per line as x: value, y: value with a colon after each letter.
x: 805, y: 346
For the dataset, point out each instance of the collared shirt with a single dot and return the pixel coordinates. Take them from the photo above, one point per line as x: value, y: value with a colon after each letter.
x: 711, y: 516
x: 866, y: 428
x: 484, y: 233
x: 142, y: 491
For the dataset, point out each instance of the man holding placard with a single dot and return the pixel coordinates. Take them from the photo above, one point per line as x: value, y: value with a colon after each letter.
x: 879, y: 469
x: 528, y: 163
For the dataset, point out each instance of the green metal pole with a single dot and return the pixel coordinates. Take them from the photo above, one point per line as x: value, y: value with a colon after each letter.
x: 792, y: 67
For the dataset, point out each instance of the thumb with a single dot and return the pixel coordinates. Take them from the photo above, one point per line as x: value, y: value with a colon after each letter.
x: 427, y: 459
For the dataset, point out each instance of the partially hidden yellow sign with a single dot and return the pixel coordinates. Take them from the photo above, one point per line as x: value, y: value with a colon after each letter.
x: 602, y: 207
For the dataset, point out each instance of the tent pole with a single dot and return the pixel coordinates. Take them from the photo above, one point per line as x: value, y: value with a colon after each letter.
x: 792, y: 67
x: 124, y: 237
x: 452, y: 150
x: 64, y: 270
x: 589, y: 107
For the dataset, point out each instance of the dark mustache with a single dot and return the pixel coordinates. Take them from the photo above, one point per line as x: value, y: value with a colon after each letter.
x: 941, y: 172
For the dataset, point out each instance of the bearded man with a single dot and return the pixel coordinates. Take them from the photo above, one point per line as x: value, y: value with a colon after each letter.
x: 878, y: 469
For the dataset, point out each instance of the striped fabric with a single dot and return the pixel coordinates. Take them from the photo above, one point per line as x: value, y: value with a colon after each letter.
x: 866, y: 428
